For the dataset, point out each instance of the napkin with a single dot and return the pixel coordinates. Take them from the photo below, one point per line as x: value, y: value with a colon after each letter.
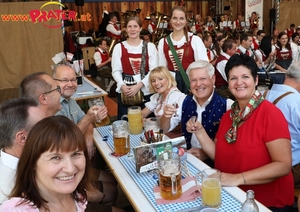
x: 189, y: 192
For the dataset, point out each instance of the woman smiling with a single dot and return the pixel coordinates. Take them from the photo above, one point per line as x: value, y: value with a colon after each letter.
x: 252, y: 147
x: 52, y: 172
x: 189, y: 48
x: 164, y: 85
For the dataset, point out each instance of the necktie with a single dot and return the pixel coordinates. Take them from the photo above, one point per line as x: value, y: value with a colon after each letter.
x: 248, y: 53
x: 208, y: 54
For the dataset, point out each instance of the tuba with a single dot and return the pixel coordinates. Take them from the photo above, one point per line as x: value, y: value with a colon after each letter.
x: 158, y: 33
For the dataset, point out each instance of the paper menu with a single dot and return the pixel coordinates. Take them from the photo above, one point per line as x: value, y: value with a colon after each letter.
x: 146, y: 155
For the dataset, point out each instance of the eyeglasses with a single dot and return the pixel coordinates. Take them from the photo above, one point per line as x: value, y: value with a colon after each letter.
x: 74, y: 80
x: 56, y: 89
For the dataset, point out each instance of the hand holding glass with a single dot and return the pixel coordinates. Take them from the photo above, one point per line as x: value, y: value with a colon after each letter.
x: 98, y: 102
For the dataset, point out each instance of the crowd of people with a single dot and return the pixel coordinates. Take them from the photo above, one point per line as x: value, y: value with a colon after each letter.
x: 251, y: 137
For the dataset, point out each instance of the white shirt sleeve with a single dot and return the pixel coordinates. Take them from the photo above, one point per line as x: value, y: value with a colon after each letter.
x: 97, y: 58
x: 174, y: 121
x: 199, y: 49
x: 116, y: 66
x: 150, y: 29
x: 259, y: 55
x: 112, y: 29
x: 152, y: 104
x: 162, y: 61
x: 294, y: 51
x: 221, y: 68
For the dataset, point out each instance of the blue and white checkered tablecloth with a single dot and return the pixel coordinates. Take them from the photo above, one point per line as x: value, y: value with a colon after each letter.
x: 147, y: 180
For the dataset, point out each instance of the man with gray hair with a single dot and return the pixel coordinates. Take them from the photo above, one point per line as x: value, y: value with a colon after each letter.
x: 205, y: 104
x: 287, y: 98
x: 17, y: 117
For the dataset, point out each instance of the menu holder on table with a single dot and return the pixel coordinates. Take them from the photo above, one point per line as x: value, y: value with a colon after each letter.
x: 146, y: 155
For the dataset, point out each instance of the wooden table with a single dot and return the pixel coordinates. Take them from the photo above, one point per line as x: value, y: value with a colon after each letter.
x: 133, y: 192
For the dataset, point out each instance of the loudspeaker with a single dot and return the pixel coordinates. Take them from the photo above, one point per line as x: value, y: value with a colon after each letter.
x: 272, y: 14
x: 79, y: 2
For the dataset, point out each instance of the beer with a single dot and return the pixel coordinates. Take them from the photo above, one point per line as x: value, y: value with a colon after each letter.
x: 165, y: 183
x: 135, y: 121
x: 211, y: 192
x: 122, y: 145
x: 103, y: 122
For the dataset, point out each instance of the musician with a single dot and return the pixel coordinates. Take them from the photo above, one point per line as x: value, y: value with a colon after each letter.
x: 189, y: 48
x: 210, y: 51
x: 257, y: 39
x: 127, y: 60
x: 284, y: 52
x: 229, y: 48
x: 246, y: 41
x: 152, y: 24
x: 253, y: 20
x: 239, y: 24
x: 226, y: 25
x: 112, y: 30
x: 266, y: 50
x: 295, y: 44
x: 210, y: 24
x: 290, y: 31
x: 102, y: 59
x: 245, y: 44
x: 198, y: 27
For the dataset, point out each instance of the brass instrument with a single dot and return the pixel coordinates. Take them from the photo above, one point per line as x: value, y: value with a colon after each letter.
x: 113, y: 42
x: 212, y: 48
x: 158, y: 33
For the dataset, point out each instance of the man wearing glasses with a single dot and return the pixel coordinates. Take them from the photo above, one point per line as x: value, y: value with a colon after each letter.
x: 44, y: 90
x: 66, y: 78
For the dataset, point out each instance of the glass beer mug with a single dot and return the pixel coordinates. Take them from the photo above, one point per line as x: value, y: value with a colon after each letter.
x: 135, y: 119
x: 121, y: 137
x: 169, y: 175
x: 211, y: 187
x: 99, y: 102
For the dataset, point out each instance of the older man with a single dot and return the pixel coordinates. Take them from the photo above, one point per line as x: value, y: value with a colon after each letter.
x: 44, y: 90
x: 205, y: 104
x: 66, y: 79
x: 287, y: 98
x: 17, y: 117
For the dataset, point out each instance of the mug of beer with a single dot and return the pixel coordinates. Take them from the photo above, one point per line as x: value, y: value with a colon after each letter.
x: 169, y: 175
x: 121, y: 137
x: 100, y: 103
x: 211, y: 187
x: 135, y: 119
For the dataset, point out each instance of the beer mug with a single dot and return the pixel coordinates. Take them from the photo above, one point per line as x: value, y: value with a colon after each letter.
x: 169, y: 175
x: 135, y: 119
x: 211, y: 187
x: 151, y: 124
x: 121, y: 137
x: 100, y: 103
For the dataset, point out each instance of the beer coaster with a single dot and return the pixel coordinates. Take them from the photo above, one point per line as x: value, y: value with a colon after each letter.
x: 113, y: 154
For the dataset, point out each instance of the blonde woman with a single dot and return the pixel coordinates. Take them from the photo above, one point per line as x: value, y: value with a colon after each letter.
x: 163, y: 84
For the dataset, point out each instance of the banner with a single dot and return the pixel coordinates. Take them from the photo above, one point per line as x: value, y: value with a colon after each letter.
x: 254, y: 6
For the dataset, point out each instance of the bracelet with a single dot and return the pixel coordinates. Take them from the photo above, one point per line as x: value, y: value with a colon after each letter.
x: 245, y: 183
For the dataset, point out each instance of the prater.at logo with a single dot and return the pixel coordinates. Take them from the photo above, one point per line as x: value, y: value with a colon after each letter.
x: 43, y: 16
